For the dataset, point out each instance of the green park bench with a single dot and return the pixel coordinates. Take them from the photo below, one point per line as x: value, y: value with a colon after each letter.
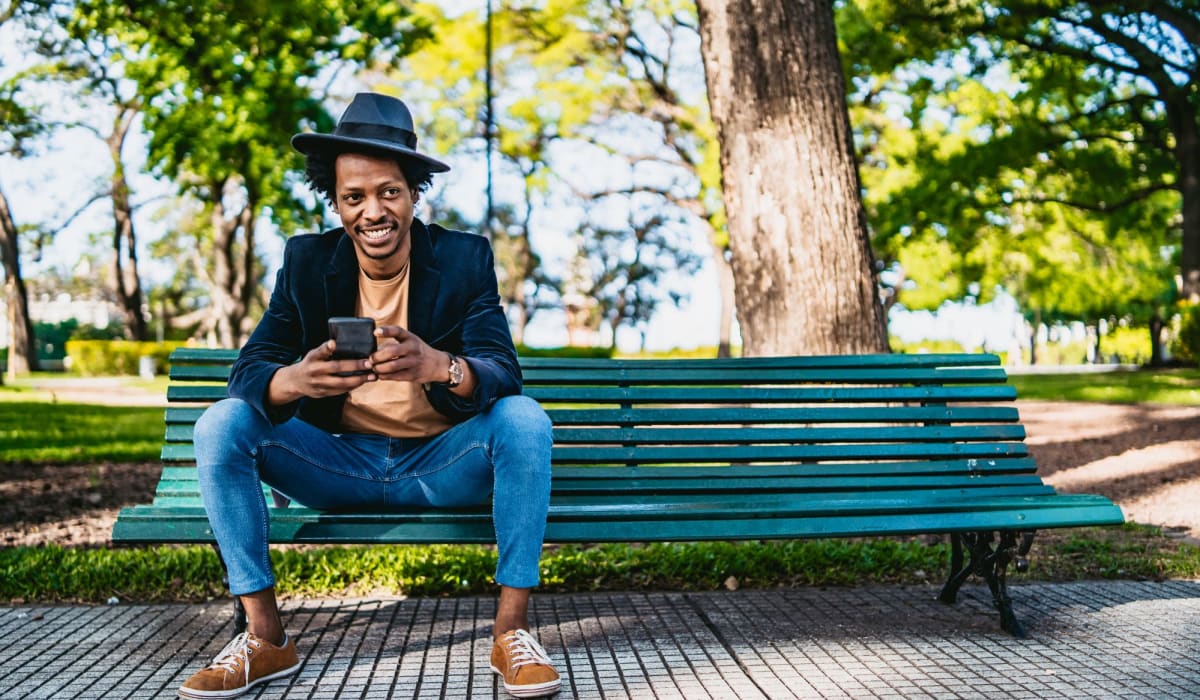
x: 718, y: 449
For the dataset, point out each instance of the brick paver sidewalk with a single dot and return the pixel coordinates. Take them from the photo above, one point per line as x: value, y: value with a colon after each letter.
x: 1088, y: 640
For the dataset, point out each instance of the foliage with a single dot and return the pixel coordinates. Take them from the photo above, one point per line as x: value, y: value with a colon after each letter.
x: 1026, y: 146
x: 1180, y: 387
x: 221, y: 86
x: 1186, y: 346
x: 62, y: 433
x: 579, y: 87
x: 93, y: 358
x: 193, y: 573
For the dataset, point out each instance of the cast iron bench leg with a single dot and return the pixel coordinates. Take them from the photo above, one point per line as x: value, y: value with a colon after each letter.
x: 239, y: 613
x: 992, y: 565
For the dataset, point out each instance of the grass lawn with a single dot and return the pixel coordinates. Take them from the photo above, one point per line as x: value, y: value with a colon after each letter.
x: 1163, y: 386
x: 58, y: 433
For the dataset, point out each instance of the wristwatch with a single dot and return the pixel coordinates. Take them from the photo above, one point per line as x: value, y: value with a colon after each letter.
x: 456, y: 371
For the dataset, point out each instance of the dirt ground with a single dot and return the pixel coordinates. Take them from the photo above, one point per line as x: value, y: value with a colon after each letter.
x: 1146, y: 458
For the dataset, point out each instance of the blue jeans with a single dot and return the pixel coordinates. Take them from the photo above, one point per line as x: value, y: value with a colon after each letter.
x: 503, y: 452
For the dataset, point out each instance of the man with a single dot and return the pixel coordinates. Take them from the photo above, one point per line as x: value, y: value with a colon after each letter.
x: 433, y: 417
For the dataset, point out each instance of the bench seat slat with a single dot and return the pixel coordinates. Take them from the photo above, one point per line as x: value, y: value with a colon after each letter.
x: 293, y: 525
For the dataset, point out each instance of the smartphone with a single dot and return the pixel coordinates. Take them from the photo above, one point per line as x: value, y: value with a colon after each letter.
x: 355, y: 339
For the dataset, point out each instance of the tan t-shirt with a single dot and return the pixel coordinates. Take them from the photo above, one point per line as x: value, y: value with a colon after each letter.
x: 394, y: 409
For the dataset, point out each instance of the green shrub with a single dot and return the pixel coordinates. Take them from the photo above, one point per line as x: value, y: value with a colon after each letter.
x: 1126, y: 344
x: 1186, y: 345
x: 585, y: 352
x: 108, y: 357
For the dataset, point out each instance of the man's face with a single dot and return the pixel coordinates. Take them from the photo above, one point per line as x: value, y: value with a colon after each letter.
x: 376, y: 207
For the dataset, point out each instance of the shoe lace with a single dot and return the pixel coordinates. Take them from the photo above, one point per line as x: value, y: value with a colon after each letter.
x: 524, y: 650
x: 237, y: 654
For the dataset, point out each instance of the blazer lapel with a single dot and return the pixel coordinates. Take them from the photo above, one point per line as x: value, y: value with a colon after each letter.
x: 341, y: 279
x: 424, y: 280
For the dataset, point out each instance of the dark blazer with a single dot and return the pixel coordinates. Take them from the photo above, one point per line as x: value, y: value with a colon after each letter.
x: 453, y: 305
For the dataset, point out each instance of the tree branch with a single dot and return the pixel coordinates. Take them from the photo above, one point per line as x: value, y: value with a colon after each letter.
x: 1102, y: 207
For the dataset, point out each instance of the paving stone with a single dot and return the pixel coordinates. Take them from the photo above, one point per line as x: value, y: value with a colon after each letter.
x: 1088, y: 639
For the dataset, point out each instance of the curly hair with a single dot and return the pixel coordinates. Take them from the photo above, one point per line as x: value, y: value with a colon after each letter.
x: 320, y: 173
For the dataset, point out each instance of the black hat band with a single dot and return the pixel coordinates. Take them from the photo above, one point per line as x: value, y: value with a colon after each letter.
x: 376, y: 132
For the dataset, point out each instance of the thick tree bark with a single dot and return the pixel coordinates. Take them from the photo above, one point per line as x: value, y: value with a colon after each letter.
x: 126, y: 278
x: 801, y: 258
x: 22, y: 351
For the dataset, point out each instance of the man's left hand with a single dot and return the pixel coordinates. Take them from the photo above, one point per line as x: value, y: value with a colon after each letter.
x: 402, y: 356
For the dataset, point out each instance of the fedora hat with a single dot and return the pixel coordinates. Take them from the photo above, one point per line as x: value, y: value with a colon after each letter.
x: 372, y: 122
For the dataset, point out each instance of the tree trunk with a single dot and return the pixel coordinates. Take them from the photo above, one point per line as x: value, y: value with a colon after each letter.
x: 22, y: 349
x: 1156, y: 341
x: 1182, y: 116
x: 126, y: 278
x: 726, y: 285
x: 801, y: 260
x: 233, y: 269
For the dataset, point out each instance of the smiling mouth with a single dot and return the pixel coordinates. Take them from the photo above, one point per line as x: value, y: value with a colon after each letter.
x: 375, y: 233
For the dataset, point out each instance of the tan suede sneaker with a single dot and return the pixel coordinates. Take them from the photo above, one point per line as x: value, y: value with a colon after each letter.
x: 524, y: 665
x: 245, y: 662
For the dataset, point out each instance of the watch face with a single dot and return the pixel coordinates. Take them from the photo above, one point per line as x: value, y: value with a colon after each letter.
x: 456, y: 371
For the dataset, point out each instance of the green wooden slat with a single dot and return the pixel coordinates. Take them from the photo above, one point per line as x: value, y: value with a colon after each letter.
x: 197, y: 363
x: 203, y: 355
x: 616, y: 478
x: 179, y: 415
x: 756, y: 395
x: 197, y: 373
x: 747, y: 376
x: 222, y: 355
x: 176, y: 452
x: 882, y: 489
x: 791, y: 362
x: 920, y: 497
x: 183, y: 392
x: 150, y: 524
x: 687, y: 415
x: 707, y: 435
x: 776, y: 453
x: 781, y: 414
x: 761, y: 436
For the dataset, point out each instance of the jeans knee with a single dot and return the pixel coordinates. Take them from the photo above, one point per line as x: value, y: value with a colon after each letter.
x: 228, y: 425
x: 222, y: 420
x: 523, y: 417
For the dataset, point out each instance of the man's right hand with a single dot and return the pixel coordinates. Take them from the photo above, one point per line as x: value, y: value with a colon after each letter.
x: 316, y: 376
